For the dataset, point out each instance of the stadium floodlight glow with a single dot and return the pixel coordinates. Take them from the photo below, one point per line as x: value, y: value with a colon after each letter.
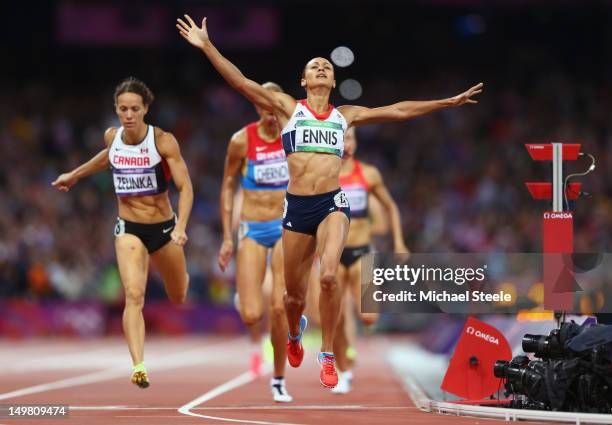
x: 342, y: 56
x: 350, y: 89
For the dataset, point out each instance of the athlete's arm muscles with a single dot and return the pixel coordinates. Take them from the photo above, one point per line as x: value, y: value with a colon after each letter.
x: 380, y: 191
x: 96, y: 164
x: 360, y: 115
x: 236, y: 152
x: 266, y: 99
x: 379, y: 221
x: 169, y: 149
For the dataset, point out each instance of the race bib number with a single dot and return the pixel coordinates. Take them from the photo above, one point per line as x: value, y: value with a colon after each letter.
x: 341, y: 200
x: 272, y: 174
x: 119, y: 227
x: 142, y: 182
x: 319, y: 136
x: 357, y: 198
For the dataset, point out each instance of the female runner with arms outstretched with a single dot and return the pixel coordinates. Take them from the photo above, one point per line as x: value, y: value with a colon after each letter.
x: 316, y: 210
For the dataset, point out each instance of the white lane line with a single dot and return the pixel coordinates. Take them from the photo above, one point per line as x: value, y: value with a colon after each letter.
x: 172, y: 361
x: 313, y: 407
x: 230, y: 385
x: 116, y: 408
x: 90, y: 378
x: 236, y: 382
x: 148, y: 416
x: 258, y: 407
x: 74, y: 357
x: 83, y: 360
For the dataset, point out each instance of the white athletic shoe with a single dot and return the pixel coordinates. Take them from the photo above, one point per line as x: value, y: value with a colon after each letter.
x: 345, y: 383
x: 279, y: 392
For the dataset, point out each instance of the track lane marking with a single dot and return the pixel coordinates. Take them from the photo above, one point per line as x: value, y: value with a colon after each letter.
x: 176, y: 360
x: 227, y: 386
x: 258, y: 407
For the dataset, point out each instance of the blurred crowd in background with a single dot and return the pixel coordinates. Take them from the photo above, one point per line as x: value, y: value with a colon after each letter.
x: 458, y: 175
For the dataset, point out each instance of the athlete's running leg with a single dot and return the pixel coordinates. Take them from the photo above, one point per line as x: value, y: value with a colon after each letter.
x: 298, y: 252
x: 133, y: 262
x: 250, y: 271
x: 367, y: 319
x: 312, y: 297
x: 340, y: 337
x: 278, y: 318
x: 278, y: 325
x: 331, y: 237
x: 345, y: 331
x: 342, y: 343
x: 170, y: 262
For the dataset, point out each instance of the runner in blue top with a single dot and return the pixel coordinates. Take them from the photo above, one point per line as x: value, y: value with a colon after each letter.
x: 256, y: 154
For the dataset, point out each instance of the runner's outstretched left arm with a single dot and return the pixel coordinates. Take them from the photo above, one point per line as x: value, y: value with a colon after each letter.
x: 359, y: 115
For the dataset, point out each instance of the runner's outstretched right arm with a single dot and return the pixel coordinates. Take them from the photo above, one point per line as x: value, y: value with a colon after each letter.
x: 254, y: 92
x: 96, y: 164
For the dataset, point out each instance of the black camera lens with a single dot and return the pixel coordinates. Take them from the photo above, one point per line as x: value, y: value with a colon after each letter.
x: 534, y: 343
x: 499, y: 369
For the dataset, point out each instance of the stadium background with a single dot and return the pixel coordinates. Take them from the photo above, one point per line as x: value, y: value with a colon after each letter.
x: 457, y: 175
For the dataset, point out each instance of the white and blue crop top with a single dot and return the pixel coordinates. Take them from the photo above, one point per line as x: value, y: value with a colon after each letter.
x: 307, y: 131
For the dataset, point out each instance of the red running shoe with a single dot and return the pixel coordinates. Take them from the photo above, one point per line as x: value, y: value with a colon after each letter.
x: 295, y: 351
x: 256, y: 363
x: 328, y: 375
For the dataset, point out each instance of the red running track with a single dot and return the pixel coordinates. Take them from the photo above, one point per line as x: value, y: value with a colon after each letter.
x: 197, y: 381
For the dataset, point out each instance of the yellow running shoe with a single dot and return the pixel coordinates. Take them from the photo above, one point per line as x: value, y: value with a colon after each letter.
x: 268, y: 350
x: 351, y: 353
x: 139, y: 376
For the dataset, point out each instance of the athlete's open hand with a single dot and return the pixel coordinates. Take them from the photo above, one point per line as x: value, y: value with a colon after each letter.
x: 466, y: 96
x: 195, y: 35
x: 179, y: 236
x: 225, y: 254
x: 65, y: 181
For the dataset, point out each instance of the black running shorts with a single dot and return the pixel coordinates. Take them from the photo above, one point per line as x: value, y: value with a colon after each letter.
x: 153, y: 236
x: 352, y: 254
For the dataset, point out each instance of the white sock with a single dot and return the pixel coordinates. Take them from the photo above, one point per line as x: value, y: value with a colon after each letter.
x: 277, y: 381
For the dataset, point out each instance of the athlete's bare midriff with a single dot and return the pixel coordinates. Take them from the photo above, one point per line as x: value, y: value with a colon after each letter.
x: 145, y: 209
x: 312, y: 173
x: 359, y: 232
x: 262, y: 205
